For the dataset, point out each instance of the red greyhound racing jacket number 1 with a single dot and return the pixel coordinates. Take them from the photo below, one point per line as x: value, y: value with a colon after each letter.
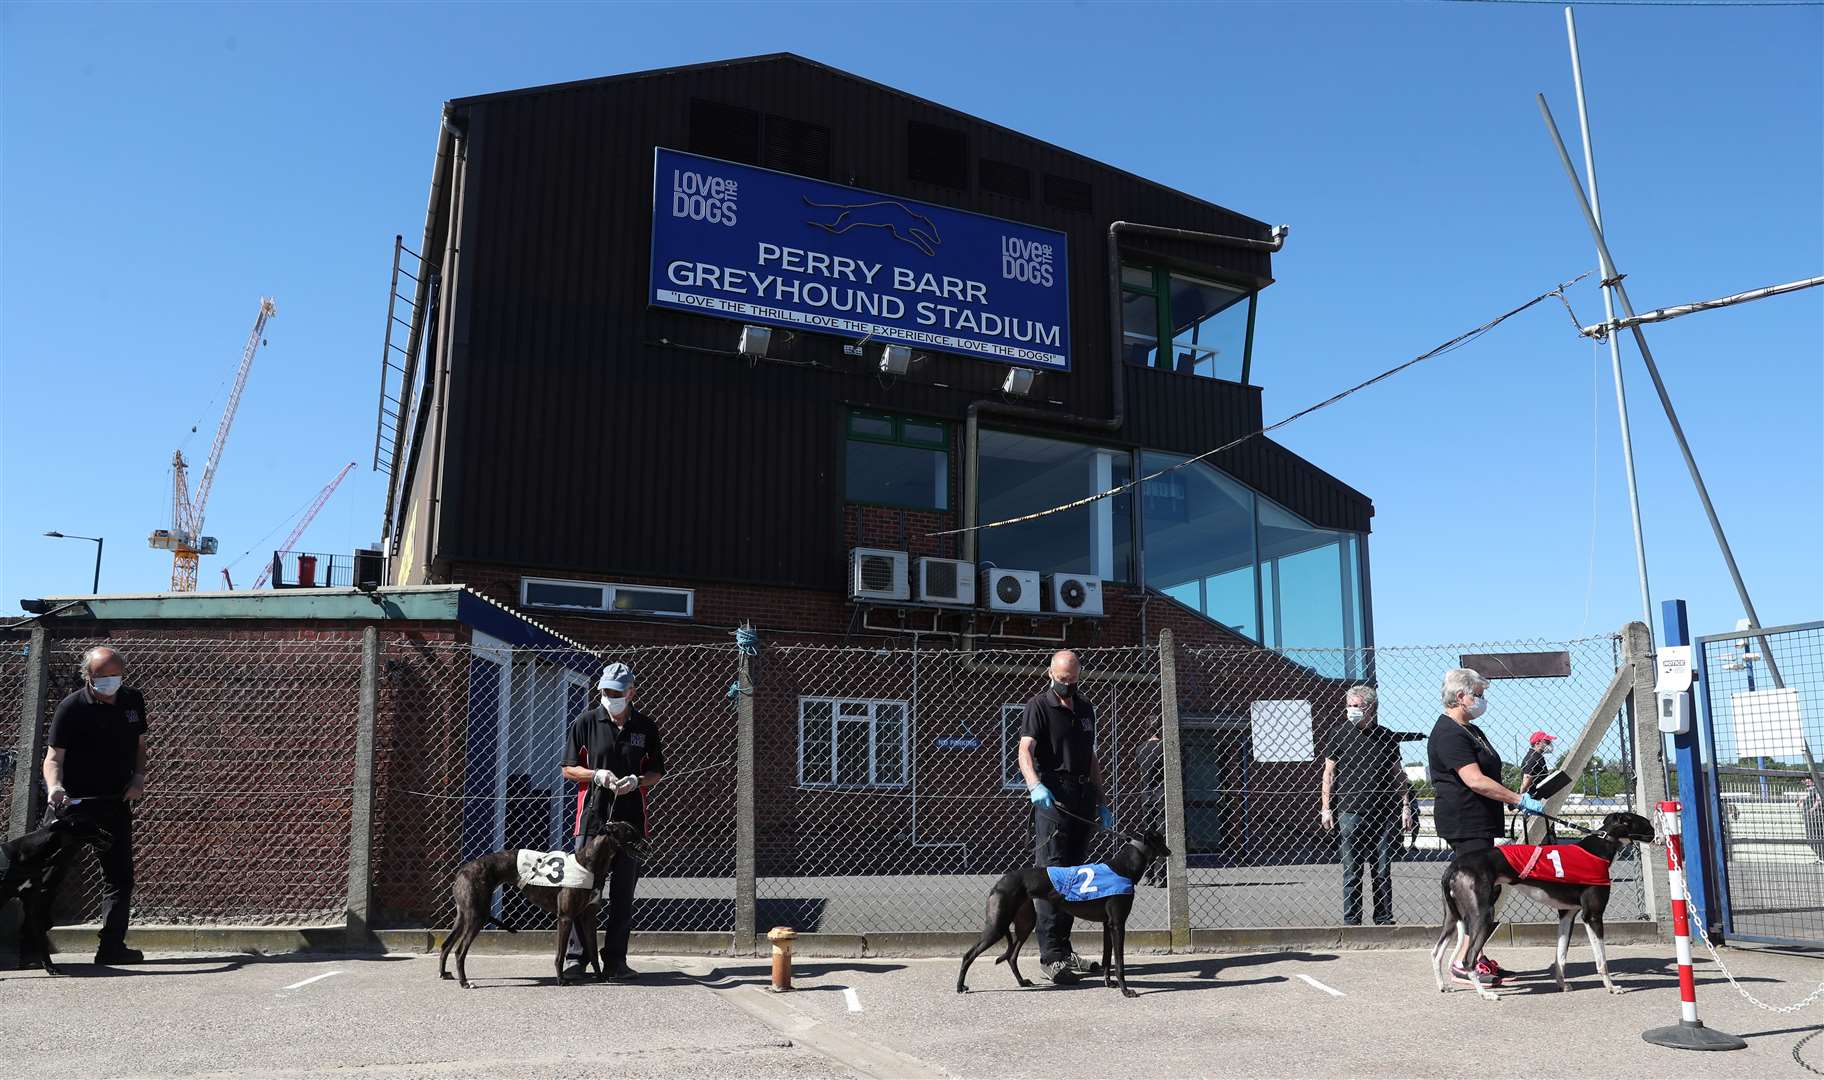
x: 1565, y: 863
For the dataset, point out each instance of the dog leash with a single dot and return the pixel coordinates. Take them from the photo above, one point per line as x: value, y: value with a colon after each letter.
x: 1096, y: 825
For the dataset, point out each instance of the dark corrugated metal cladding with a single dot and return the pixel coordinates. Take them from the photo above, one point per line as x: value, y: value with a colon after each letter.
x: 586, y: 433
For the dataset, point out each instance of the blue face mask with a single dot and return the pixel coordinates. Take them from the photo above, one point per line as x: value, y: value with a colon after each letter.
x: 107, y: 685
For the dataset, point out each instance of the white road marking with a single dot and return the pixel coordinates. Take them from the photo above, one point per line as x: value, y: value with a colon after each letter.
x: 1331, y: 990
x: 312, y: 979
x: 848, y: 994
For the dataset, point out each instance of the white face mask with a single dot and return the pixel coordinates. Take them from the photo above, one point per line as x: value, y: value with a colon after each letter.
x: 1476, y: 707
x: 1356, y: 714
x: 616, y: 706
x: 107, y: 685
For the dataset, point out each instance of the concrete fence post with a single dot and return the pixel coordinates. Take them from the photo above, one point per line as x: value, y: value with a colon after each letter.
x: 30, y: 747
x: 361, y: 816
x: 1649, y: 753
x: 31, y: 734
x: 745, y: 861
x: 1177, y: 887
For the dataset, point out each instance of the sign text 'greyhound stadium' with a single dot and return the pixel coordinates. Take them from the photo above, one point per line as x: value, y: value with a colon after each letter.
x: 760, y: 246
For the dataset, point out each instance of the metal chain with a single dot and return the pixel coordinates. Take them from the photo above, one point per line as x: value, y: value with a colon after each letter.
x: 1677, y: 867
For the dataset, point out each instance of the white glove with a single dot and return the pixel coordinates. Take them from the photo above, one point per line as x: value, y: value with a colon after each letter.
x: 604, y: 778
x: 626, y: 784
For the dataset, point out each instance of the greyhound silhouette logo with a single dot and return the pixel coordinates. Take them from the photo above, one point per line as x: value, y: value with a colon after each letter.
x: 903, y: 222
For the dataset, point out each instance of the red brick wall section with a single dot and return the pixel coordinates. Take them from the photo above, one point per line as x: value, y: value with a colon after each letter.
x: 251, y: 737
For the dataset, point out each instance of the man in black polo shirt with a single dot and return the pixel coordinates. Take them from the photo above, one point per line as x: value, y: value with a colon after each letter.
x: 1064, y: 781
x: 95, y: 768
x: 1366, y: 784
x: 613, y: 752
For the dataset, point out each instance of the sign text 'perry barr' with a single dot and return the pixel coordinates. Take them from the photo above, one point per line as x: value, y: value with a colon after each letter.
x: 767, y: 247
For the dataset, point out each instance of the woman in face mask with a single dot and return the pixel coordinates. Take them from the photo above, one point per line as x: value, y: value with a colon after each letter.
x: 1471, y: 800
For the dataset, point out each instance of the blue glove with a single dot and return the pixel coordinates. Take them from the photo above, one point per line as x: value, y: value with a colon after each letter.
x: 1530, y: 805
x: 1041, y: 796
x: 1106, y: 817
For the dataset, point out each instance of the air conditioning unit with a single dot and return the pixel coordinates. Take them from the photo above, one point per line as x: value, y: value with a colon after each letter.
x: 1010, y: 590
x: 878, y: 574
x: 1074, y: 594
x: 946, y: 581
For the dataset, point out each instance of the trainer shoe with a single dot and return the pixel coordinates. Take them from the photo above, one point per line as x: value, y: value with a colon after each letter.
x: 119, y: 954
x: 1080, y: 966
x: 623, y: 973
x: 1490, y: 971
x: 574, y: 972
x: 1459, y: 976
x: 1058, y: 971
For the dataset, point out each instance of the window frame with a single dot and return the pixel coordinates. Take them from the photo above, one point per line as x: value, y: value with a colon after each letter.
x: 610, y: 592
x: 1011, y: 778
x: 873, y: 706
x: 1161, y: 293
x: 1117, y: 457
x: 898, y: 439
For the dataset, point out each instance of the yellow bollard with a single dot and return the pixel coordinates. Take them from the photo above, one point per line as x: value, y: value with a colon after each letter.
x: 782, y: 938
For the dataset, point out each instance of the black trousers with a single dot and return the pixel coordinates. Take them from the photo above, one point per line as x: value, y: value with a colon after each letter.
x: 1059, y: 840
x: 616, y: 912
x: 116, y: 864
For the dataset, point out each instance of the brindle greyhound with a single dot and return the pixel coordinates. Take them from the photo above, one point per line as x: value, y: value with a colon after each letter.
x: 1473, y: 882
x: 26, y: 866
x: 1010, y: 907
x: 476, y: 880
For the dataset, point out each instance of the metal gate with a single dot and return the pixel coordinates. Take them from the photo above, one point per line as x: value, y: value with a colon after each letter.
x: 1764, y: 695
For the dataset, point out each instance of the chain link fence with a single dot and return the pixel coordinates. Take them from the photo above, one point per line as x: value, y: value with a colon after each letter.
x: 253, y: 745
x: 467, y: 757
x: 1256, y: 732
x: 1766, y: 705
x: 14, y: 652
x: 886, y: 787
x: 887, y: 782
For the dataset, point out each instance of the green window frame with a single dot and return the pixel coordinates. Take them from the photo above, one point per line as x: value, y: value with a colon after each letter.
x: 909, y: 432
x: 1143, y: 282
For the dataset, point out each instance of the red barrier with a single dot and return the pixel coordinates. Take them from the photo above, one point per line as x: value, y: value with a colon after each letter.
x: 1689, y: 1033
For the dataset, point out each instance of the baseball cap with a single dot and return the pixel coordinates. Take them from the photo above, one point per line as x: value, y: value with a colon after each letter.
x: 1540, y: 736
x: 617, y: 677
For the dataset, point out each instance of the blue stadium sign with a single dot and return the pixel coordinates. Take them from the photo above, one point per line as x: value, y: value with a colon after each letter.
x: 766, y: 247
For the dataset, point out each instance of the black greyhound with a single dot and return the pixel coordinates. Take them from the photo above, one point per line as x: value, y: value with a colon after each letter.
x: 1011, y: 914
x: 476, y: 880
x: 1473, y: 882
x: 26, y: 867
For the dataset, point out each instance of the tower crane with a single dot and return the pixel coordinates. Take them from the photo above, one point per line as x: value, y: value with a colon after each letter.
x: 184, y: 539
x: 303, y: 523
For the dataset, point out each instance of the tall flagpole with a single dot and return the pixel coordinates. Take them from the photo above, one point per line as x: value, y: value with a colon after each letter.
x: 1608, y: 307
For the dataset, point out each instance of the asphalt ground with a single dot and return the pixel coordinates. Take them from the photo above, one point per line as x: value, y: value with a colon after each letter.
x: 1286, y: 1014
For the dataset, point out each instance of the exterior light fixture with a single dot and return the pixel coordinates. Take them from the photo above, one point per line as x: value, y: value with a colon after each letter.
x: 754, y: 340
x: 895, y: 359
x: 1019, y: 382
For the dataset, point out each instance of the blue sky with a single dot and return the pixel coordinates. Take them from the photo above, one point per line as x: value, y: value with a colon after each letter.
x: 162, y: 167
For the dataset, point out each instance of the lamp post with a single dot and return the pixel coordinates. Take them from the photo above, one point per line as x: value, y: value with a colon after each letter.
x: 96, y: 587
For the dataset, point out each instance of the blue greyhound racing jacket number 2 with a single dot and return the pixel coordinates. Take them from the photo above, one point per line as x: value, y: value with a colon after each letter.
x: 1093, y: 882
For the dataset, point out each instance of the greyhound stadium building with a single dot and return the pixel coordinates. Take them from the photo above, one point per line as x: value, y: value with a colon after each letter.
x: 760, y: 341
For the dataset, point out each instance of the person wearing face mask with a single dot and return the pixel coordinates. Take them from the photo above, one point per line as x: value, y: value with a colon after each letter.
x: 1064, y: 785
x: 95, y: 768
x: 1365, y: 779
x: 615, y: 752
x: 1465, y: 773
